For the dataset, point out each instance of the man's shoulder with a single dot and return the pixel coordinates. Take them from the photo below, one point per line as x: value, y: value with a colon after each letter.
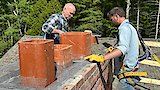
x: 55, y: 15
x: 127, y: 25
x: 124, y: 27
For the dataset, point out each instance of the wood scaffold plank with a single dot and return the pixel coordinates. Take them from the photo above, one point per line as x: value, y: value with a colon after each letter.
x: 150, y: 81
x: 153, y: 44
x: 149, y: 62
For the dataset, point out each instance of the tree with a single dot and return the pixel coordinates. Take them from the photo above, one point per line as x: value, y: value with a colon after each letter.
x: 157, y: 24
x: 18, y: 12
x: 91, y: 15
x: 40, y: 12
x: 128, y: 8
x: 88, y: 16
x: 14, y: 12
x: 141, y: 12
x: 138, y: 11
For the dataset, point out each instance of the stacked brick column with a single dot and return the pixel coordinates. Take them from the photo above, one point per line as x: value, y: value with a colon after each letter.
x: 88, y: 78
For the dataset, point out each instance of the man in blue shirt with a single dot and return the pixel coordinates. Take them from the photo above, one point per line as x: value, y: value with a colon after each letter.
x: 58, y: 23
x: 126, y: 52
x: 127, y: 49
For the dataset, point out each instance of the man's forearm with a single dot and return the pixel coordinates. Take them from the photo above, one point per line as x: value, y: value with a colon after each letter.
x: 113, y: 54
x: 57, y: 31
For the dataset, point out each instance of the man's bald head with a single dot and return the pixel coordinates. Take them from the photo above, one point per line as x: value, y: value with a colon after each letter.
x: 69, y: 10
x: 69, y: 5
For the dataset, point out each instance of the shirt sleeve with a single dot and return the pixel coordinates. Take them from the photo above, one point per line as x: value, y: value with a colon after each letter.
x: 124, y: 39
x: 50, y: 24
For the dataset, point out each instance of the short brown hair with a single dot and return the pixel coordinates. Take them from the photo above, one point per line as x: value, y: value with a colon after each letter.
x: 116, y: 10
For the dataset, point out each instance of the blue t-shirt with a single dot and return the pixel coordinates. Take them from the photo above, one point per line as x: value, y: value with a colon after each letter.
x: 128, y: 44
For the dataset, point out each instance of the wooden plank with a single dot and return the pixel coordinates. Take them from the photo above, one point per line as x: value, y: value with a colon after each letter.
x: 150, y: 81
x: 153, y: 44
x: 149, y: 62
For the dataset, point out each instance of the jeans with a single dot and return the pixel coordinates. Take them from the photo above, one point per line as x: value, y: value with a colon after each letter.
x: 54, y: 36
x: 123, y: 83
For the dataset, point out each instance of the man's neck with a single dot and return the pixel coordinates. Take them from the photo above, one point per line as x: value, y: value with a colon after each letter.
x: 122, y: 19
x: 64, y: 16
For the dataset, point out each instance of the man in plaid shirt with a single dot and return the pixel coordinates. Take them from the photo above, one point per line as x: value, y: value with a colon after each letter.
x: 57, y: 23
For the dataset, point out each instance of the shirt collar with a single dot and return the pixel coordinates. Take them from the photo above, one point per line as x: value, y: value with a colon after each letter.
x: 124, y: 22
x: 63, y: 17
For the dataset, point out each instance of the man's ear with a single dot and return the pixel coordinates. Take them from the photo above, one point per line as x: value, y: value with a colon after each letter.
x: 117, y: 15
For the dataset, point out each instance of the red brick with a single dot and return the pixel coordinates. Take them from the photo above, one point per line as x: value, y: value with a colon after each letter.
x: 93, y: 78
x: 82, y: 87
x: 105, y: 72
x: 93, y: 67
x: 78, y: 80
x: 96, y: 85
x: 87, y: 85
x: 68, y: 87
x: 100, y: 86
x: 87, y: 70
x: 106, y: 64
x: 96, y: 72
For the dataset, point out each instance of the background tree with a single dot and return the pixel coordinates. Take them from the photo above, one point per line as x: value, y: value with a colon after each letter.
x: 146, y: 16
x: 128, y: 8
x: 157, y: 24
x: 13, y: 14
x: 39, y: 13
x: 88, y: 16
x: 92, y: 15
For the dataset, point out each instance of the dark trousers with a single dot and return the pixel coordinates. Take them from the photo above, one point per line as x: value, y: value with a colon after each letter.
x: 53, y: 36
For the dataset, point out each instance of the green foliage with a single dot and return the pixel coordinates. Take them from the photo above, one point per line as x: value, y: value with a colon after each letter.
x: 111, y: 31
x: 88, y: 16
x: 91, y: 15
x: 12, y: 14
x: 40, y: 12
x: 3, y: 47
x: 9, y: 38
x: 11, y: 31
x: 92, y: 20
x: 147, y: 21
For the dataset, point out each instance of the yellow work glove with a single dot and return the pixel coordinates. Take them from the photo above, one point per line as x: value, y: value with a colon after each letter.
x: 94, y: 57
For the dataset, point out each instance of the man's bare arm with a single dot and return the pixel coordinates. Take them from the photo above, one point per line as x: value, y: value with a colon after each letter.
x: 113, y: 54
x: 57, y: 31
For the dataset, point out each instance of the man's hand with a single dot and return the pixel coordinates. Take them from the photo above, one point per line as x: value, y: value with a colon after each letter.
x: 57, y: 31
x: 93, y: 57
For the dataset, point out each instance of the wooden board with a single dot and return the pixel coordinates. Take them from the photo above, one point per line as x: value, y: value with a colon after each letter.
x: 150, y: 62
x: 150, y: 81
x: 153, y: 44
